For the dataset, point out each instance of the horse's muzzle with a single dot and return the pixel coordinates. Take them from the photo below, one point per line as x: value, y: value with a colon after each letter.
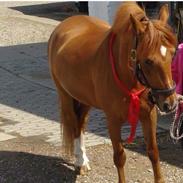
x: 164, y: 99
x: 167, y: 106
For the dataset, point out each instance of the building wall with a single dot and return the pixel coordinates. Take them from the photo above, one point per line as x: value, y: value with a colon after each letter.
x: 104, y: 10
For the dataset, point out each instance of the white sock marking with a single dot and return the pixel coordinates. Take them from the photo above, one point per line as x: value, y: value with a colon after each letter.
x: 80, y: 152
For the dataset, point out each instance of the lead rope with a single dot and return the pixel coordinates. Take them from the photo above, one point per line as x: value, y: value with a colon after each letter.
x: 177, y: 122
x: 175, y: 127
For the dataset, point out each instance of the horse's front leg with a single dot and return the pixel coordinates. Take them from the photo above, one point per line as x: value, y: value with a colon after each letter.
x: 119, y: 154
x: 149, y: 125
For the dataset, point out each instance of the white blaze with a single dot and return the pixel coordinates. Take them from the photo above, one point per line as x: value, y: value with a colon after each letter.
x: 163, y: 50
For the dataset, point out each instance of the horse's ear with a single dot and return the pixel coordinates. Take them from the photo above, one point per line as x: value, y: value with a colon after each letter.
x: 138, y: 26
x: 164, y: 14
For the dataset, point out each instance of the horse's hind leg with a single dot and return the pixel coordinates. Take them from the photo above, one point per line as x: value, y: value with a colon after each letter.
x: 82, y: 162
x: 74, y: 117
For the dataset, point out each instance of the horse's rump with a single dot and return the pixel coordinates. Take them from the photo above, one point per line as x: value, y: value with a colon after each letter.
x: 78, y: 36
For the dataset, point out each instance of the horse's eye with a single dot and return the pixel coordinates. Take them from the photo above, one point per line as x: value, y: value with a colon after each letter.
x: 148, y: 62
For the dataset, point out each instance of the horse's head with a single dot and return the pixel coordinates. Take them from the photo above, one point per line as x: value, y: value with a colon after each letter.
x: 154, y: 47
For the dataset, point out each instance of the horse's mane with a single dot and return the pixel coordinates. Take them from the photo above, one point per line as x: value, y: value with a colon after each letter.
x: 122, y: 19
x: 156, y: 32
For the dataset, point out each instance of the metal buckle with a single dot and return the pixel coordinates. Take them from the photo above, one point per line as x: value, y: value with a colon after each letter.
x: 133, y: 55
x: 151, y: 98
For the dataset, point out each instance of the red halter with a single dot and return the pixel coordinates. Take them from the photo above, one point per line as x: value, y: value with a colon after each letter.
x: 134, y: 106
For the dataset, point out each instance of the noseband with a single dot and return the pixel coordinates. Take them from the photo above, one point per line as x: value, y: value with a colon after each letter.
x: 154, y: 92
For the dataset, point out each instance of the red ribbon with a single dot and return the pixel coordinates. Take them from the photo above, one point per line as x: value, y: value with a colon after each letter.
x: 134, y: 106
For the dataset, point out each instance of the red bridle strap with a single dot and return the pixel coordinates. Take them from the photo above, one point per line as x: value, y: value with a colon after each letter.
x: 134, y: 106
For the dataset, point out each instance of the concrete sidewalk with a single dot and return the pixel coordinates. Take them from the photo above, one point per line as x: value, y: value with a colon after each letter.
x: 28, y: 100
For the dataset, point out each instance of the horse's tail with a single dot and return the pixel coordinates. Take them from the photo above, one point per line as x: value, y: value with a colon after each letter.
x: 73, y: 118
x: 69, y: 120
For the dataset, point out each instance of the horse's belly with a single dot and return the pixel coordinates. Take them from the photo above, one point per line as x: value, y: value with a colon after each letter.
x: 79, y: 94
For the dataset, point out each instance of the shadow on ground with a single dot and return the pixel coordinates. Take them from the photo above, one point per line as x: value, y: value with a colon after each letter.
x: 169, y: 151
x: 25, y: 80
x: 57, y: 11
x: 19, y: 167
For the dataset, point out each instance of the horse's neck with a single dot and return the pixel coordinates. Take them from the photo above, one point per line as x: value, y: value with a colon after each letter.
x: 121, y: 50
x: 103, y: 70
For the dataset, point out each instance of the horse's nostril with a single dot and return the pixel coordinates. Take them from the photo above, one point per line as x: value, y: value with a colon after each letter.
x: 166, y: 107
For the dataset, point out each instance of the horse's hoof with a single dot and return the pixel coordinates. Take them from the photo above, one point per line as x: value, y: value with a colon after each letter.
x: 160, y: 181
x: 83, y: 170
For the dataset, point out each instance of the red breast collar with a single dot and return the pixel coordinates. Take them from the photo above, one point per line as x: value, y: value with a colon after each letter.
x: 134, y: 106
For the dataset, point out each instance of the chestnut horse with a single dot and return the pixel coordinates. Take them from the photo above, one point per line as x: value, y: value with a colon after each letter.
x: 81, y: 51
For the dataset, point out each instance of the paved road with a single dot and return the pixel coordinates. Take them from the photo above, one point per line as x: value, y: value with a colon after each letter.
x: 28, y: 106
